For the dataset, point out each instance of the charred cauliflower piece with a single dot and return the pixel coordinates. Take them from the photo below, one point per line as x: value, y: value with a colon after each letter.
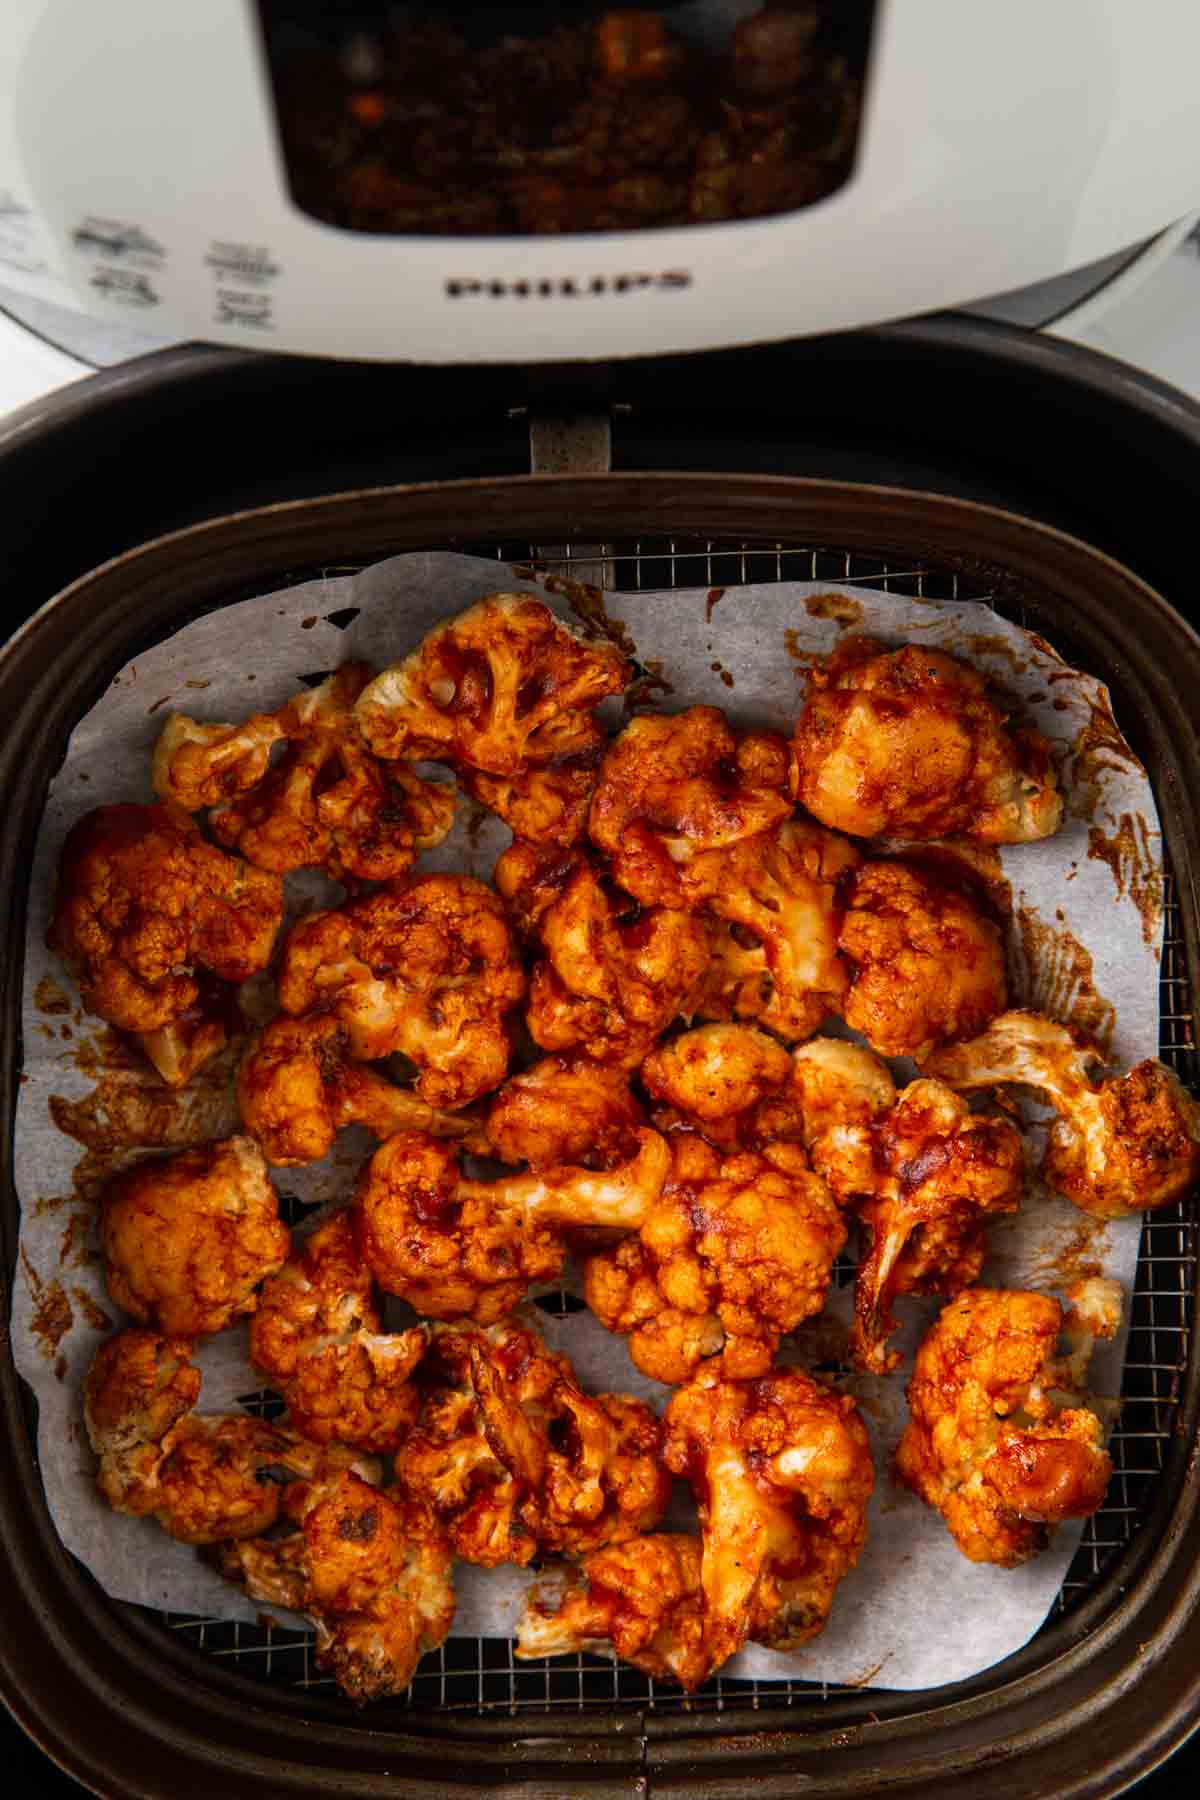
x: 144, y: 905
x: 927, y: 967
x: 502, y: 689
x: 517, y: 1461
x: 318, y: 1338
x: 326, y: 804
x: 642, y: 1601
x: 907, y: 743
x: 782, y: 1473
x: 203, y: 1478
x: 379, y: 1583
x: 188, y: 1239
x: 735, y: 1252
x: 1120, y: 1145
x: 469, y: 1249
x: 372, y: 1571
x: 671, y: 788
x: 774, y: 950
x: 429, y: 970
x: 608, y: 983
x: 565, y: 1109
x: 1001, y: 1439
x: 924, y: 1177
x: 298, y: 1087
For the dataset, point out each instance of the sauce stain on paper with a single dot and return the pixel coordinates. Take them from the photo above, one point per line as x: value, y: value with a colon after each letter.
x: 588, y: 604
x: 94, y: 1313
x: 643, y: 688
x: 1098, y: 752
x: 52, y: 1315
x: 1058, y: 977
x: 1132, y: 854
x: 803, y: 659
x: 838, y: 607
x: 995, y: 644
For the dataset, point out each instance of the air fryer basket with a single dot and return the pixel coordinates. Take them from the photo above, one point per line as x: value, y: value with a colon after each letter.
x: 1094, y: 1700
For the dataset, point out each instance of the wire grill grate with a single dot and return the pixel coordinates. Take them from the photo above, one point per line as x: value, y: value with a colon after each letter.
x: 480, y: 1675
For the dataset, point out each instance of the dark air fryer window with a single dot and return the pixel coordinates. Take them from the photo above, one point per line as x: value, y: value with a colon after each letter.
x: 545, y: 118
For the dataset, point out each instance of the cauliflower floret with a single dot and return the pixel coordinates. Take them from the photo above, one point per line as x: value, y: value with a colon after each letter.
x: 667, y: 1343
x: 372, y: 1571
x: 565, y: 1109
x: 297, y: 1088
x: 609, y: 984
x: 181, y: 1048
x: 317, y: 1336
x: 642, y: 1601
x: 323, y: 1292
x: 271, y: 1570
x: 671, y: 788
x: 188, y: 1239
x: 144, y: 905
x: 196, y: 766
x: 1122, y: 1145
x: 139, y: 1386
x: 1000, y: 1439
x: 716, y: 1070
x: 429, y: 970
x: 448, y: 1462
x: 503, y: 688
x: 328, y: 803
x: 735, y: 1252
x: 213, y: 1481
x: 202, y: 1478
x: 380, y: 1583
x: 517, y: 1461
x: 782, y: 1472
x: 729, y: 1084
x: 774, y: 950
x: 927, y: 966
x: 469, y: 1249
x: 925, y: 1177
x: 529, y: 879
x: 838, y: 1083
x: 906, y: 743
x: 784, y: 1097
x: 543, y: 805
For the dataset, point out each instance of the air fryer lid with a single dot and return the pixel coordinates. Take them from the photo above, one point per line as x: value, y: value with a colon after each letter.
x: 540, y: 118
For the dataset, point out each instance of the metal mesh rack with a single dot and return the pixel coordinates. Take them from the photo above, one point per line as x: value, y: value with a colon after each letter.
x: 480, y: 1675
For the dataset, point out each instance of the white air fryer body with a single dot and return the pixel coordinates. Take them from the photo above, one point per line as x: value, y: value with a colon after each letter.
x: 141, y: 180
